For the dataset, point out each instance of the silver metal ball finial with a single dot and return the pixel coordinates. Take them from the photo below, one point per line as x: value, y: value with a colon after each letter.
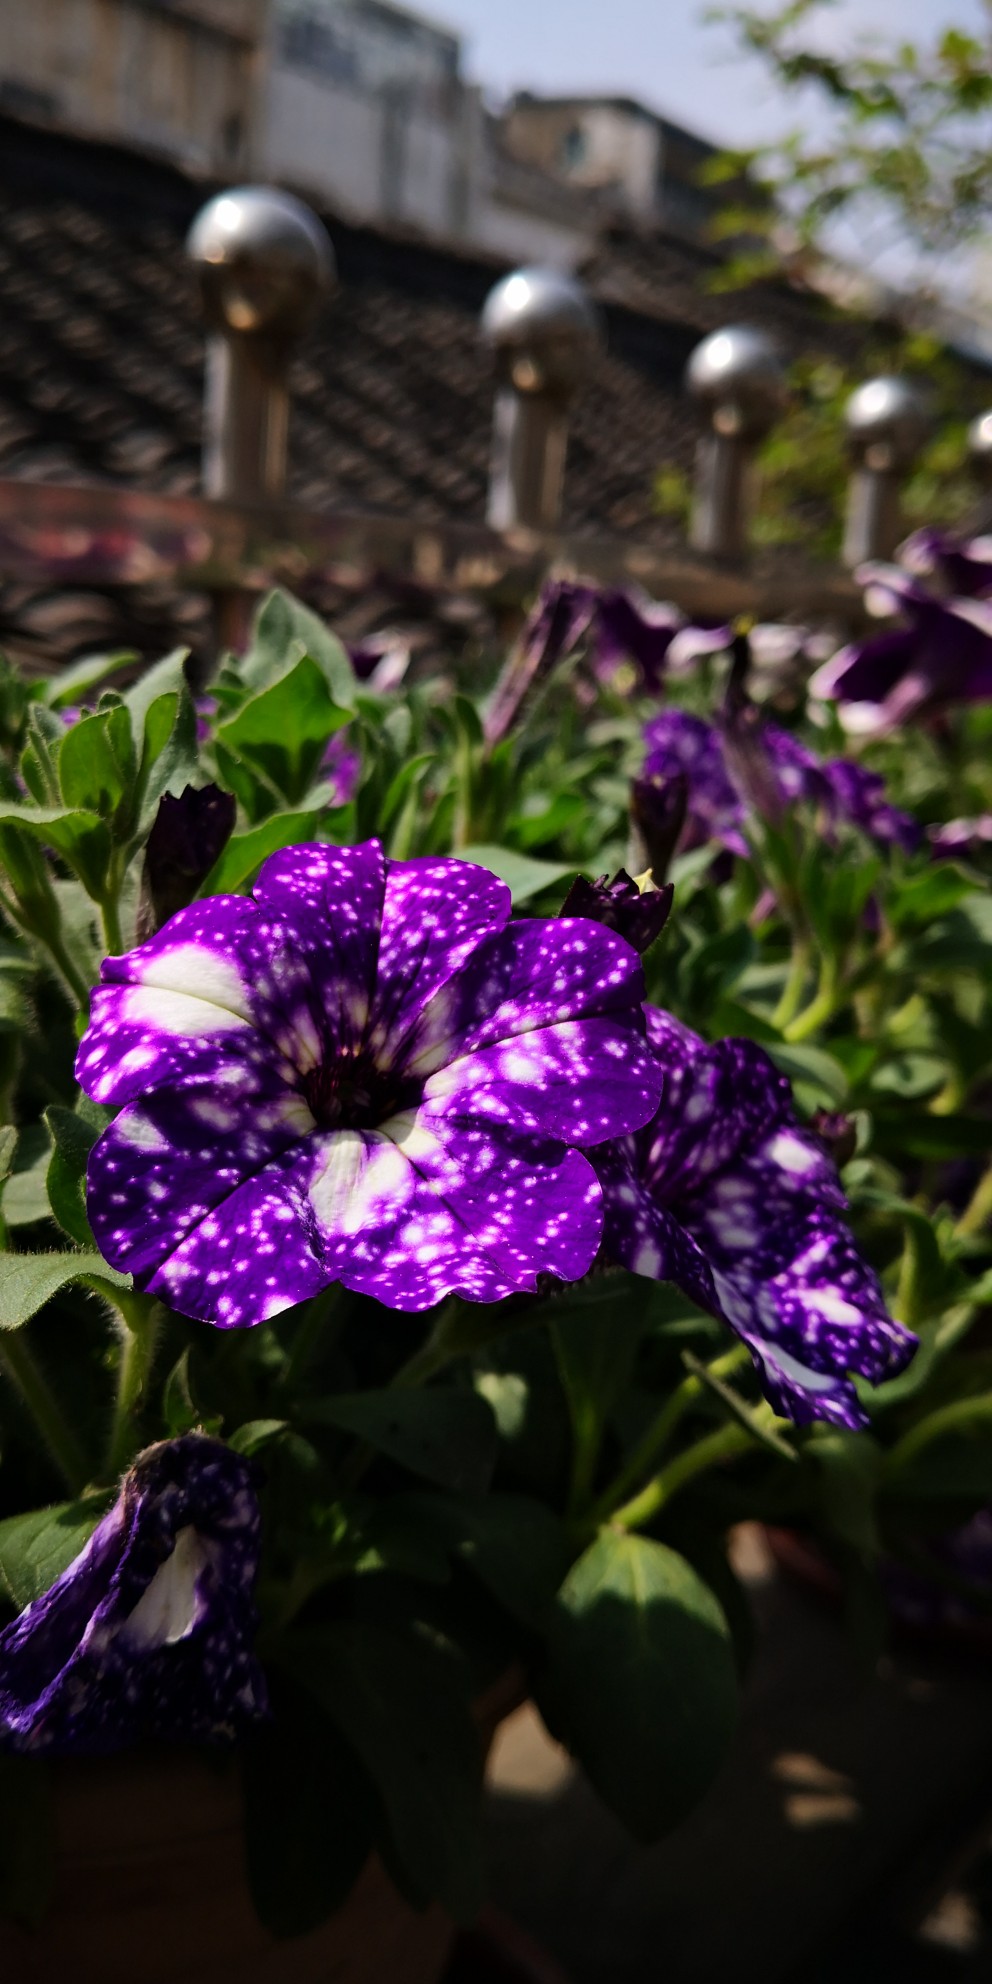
x: 887, y: 421
x: 980, y: 442
x: 736, y: 375
x: 264, y: 261
x: 544, y: 330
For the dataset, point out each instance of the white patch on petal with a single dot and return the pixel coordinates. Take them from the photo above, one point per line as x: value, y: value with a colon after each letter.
x: 177, y: 1012
x: 786, y: 1149
x: 196, y: 972
x: 825, y: 1302
x: 362, y: 1181
x: 796, y: 1373
x: 137, y: 1130
x: 169, y: 1607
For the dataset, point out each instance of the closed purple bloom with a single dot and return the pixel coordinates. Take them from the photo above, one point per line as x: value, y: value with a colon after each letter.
x: 723, y: 786
x: 639, y: 918
x: 724, y: 1194
x: 365, y: 1074
x: 941, y: 654
x: 342, y: 768
x: 149, y: 1633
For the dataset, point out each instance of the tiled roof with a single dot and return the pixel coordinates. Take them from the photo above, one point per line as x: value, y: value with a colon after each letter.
x: 101, y: 358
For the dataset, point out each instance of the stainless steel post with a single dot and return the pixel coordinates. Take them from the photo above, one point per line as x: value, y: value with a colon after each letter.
x: 264, y: 263
x: 736, y: 378
x: 887, y: 422
x: 544, y: 333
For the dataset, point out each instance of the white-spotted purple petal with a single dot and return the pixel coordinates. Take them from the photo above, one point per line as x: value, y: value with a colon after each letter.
x: 149, y: 1634
x: 725, y: 1194
x: 364, y: 1075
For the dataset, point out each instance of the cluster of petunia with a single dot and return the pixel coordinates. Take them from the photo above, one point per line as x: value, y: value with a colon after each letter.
x: 368, y: 1073
x: 722, y: 787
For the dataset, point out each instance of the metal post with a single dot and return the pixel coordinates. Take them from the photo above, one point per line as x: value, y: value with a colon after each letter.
x: 736, y: 377
x: 887, y: 422
x: 264, y: 263
x: 544, y: 333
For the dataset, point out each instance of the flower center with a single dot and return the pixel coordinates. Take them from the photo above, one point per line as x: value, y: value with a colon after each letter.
x: 351, y: 1093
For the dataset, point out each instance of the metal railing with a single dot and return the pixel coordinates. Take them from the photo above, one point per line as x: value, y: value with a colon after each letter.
x: 265, y: 264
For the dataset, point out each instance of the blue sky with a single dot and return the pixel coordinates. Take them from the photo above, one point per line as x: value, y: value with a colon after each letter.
x: 660, y: 51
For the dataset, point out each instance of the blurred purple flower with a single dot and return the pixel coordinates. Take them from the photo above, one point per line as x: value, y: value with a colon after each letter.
x: 724, y: 1194
x: 958, y: 837
x: 718, y: 766
x: 957, y: 1590
x: 149, y: 1633
x: 940, y: 654
x: 963, y: 566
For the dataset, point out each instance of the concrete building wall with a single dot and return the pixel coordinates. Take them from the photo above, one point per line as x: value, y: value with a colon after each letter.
x: 594, y: 144
x: 176, y: 78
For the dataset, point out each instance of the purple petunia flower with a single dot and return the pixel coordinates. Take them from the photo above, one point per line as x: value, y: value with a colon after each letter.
x: 941, y: 654
x: 680, y: 745
x: 724, y: 1194
x: 365, y: 1074
x: 149, y: 1633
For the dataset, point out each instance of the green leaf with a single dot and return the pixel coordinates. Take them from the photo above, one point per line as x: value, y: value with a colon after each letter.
x: 81, y: 838
x: 24, y: 1198
x: 245, y: 853
x: 97, y: 762
x: 72, y: 1140
x: 28, y: 1281
x: 309, y: 1813
x: 27, y: 1840
x: 524, y: 877
x: 402, y: 1705
x: 911, y: 1075
x: 8, y: 1145
x: 514, y: 1544
x: 447, y: 1436
x: 36, y: 1548
x: 283, y: 631
x: 166, y: 678
x: 814, y: 1071
x: 63, y: 691
x: 256, y: 1433
x: 640, y: 1681
x: 284, y: 730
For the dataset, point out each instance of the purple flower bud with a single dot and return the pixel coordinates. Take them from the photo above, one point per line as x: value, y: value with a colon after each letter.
x: 657, y: 818
x: 837, y: 1133
x: 149, y: 1633
x: 188, y: 835
x: 621, y: 906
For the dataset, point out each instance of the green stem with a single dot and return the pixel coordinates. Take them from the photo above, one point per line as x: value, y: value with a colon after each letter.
x: 73, y: 980
x: 110, y: 917
x: 820, y: 1009
x: 140, y: 1324
x: 718, y: 1446
x: 19, y: 1365
x: 640, y: 1462
x: 978, y: 1211
x: 792, y: 991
